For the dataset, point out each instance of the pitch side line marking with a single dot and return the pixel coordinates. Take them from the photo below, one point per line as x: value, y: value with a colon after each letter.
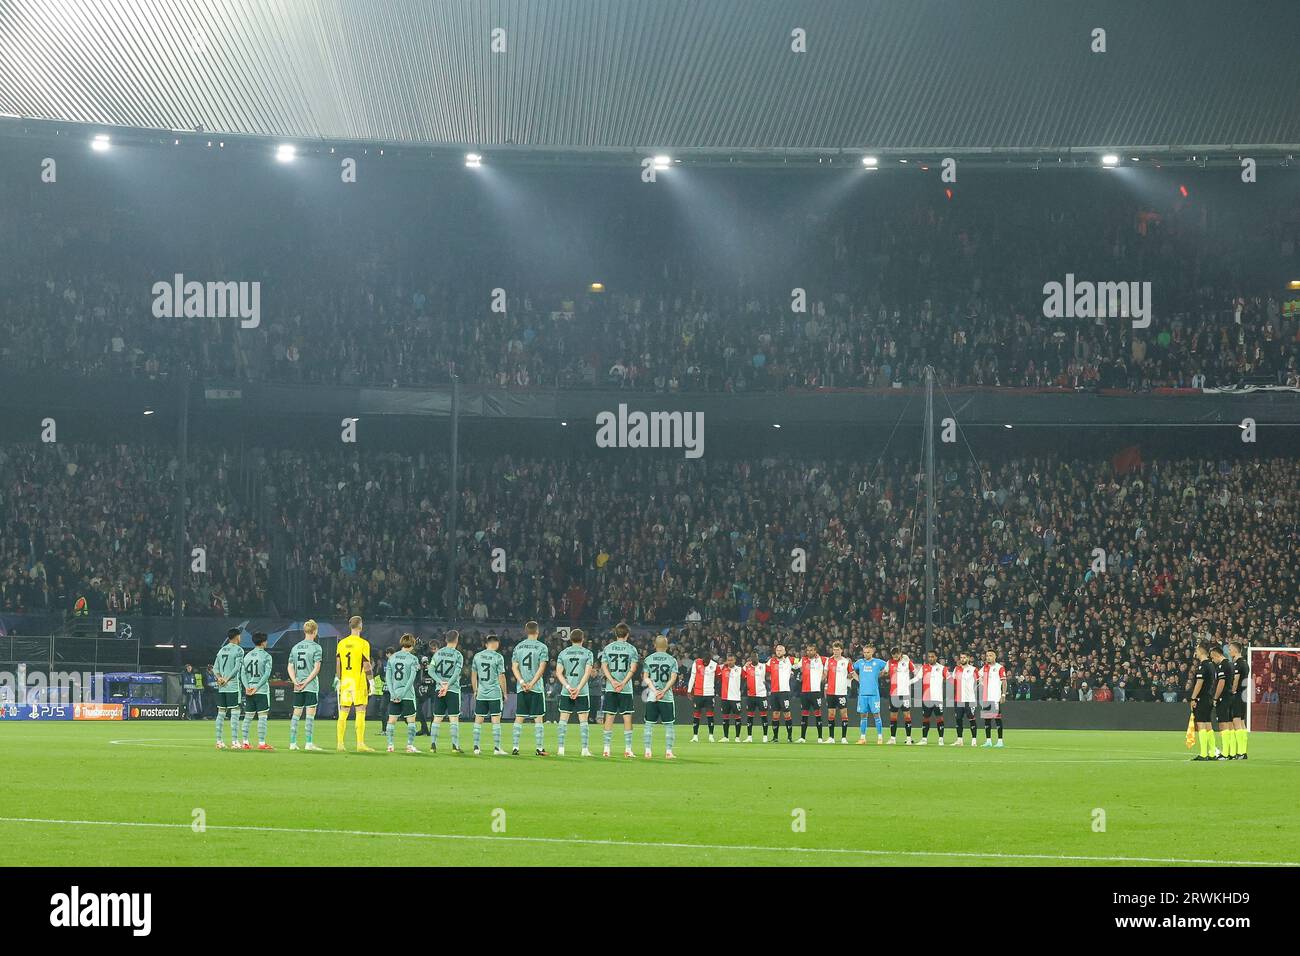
x: 654, y: 846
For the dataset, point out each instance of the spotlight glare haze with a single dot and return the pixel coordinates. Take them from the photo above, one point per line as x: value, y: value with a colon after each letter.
x: 100, y: 144
x: 285, y: 153
x: 473, y: 160
x: 871, y: 162
x: 1110, y: 160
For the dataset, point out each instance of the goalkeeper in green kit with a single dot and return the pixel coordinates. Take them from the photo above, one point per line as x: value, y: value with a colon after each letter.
x: 402, y: 671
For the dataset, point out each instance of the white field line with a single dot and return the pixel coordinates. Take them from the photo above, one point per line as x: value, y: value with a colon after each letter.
x: 574, y: 841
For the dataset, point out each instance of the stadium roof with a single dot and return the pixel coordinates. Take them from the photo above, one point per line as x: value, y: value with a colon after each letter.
x: 667, y: 74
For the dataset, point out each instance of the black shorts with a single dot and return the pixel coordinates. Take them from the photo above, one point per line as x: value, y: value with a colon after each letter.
x: 228, y: 698
x: 779, y: 700
x: 448, y: 705
x: 755, y: 705
x: 730, y: 708
x: 617, y: 703
x: 897, y: 703
x: 1203, y: 710
x: 305, y: 698
x: 530, y: 704
x: 661, y: 711
x: 257, y: 704
x: 487, y: 708
x: 932, y: 710
x: 1238, y: 707
x: 836, y: 701
x: 965, y: 710
x: 1223, y: 709
x: 401, y: 708
x: 702, y: 705
x: 575, y: 705
x: 810, y: 703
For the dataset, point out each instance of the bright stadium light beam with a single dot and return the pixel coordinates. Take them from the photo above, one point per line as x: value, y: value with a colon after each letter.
x: 871, y: 162
x: 284, y: 153
x: 1110, y: 160
x: 101, y: 144
x: 662, y: 162
x: 473, y: 160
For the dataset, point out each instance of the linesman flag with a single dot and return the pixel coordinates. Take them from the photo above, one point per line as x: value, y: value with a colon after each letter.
x: 1190, y: 739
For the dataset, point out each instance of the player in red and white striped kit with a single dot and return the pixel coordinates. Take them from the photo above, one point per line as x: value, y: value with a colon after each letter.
x: 965, y: 696
x: 838, y: 673
x: 729, y: 692
x: 902, y: 674
x: 780, y: 668
x: 753, y: 678
x: 703, y: 673
x: 993, y: 688
x: 812, y: 679
x: 934, y: 681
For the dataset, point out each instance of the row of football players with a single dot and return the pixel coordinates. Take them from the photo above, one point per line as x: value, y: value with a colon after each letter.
x: 761, y: 689
x: 772, y: 690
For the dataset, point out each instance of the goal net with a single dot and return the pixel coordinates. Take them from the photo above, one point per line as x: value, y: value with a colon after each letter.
x: 1273, y: 698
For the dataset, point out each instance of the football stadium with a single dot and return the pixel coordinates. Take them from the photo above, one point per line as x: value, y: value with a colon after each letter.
x: 600, y: 434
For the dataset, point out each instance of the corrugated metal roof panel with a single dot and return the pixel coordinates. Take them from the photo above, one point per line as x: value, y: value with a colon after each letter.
x: 672, y: 73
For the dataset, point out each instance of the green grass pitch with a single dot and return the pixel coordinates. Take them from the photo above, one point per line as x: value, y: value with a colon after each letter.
x: 99, y: 794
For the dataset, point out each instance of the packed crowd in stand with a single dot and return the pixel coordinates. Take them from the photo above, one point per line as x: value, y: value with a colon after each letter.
x: 959, y: 287
x: 1192, y: 547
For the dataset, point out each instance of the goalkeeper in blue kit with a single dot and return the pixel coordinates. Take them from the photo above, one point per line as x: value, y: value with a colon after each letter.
x: 868, y: 668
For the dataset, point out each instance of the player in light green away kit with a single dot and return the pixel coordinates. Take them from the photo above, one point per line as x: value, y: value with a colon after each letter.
x: 618, y: 664
x: 255, y: 674
x: 528, y: 662
x: 227, y: 669
x: 487, y: 674
x: 402, y: 671
x: 660, y: 673
x: 445, y: 670
x: 304, y: 671
x: 573, y: 669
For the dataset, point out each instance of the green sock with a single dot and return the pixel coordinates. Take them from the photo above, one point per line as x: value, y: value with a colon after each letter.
x: 561, y: 730
x: 221, y: 720
x: 496, y: 736
x: 1241, y: 740
x: 649, y: 735
x: 609, y: 737
x: 410, y: 735
x: 1229, y: 738
x: 478, y: 735
x: 627, y: 740
x: 670, y: 734
x: 539, y: 735
x: 514, y: 736
x: 584, y: 731
x: 433, y: 732
x: 455, y: 733
x: 293, y: 730
x: 311, y: 726
x: 1206, y: 738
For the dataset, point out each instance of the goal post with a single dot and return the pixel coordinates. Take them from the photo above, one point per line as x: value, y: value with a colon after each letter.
x: 1273, y: 697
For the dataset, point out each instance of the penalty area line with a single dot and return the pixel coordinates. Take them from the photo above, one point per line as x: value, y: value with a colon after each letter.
x: 578, y: 841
